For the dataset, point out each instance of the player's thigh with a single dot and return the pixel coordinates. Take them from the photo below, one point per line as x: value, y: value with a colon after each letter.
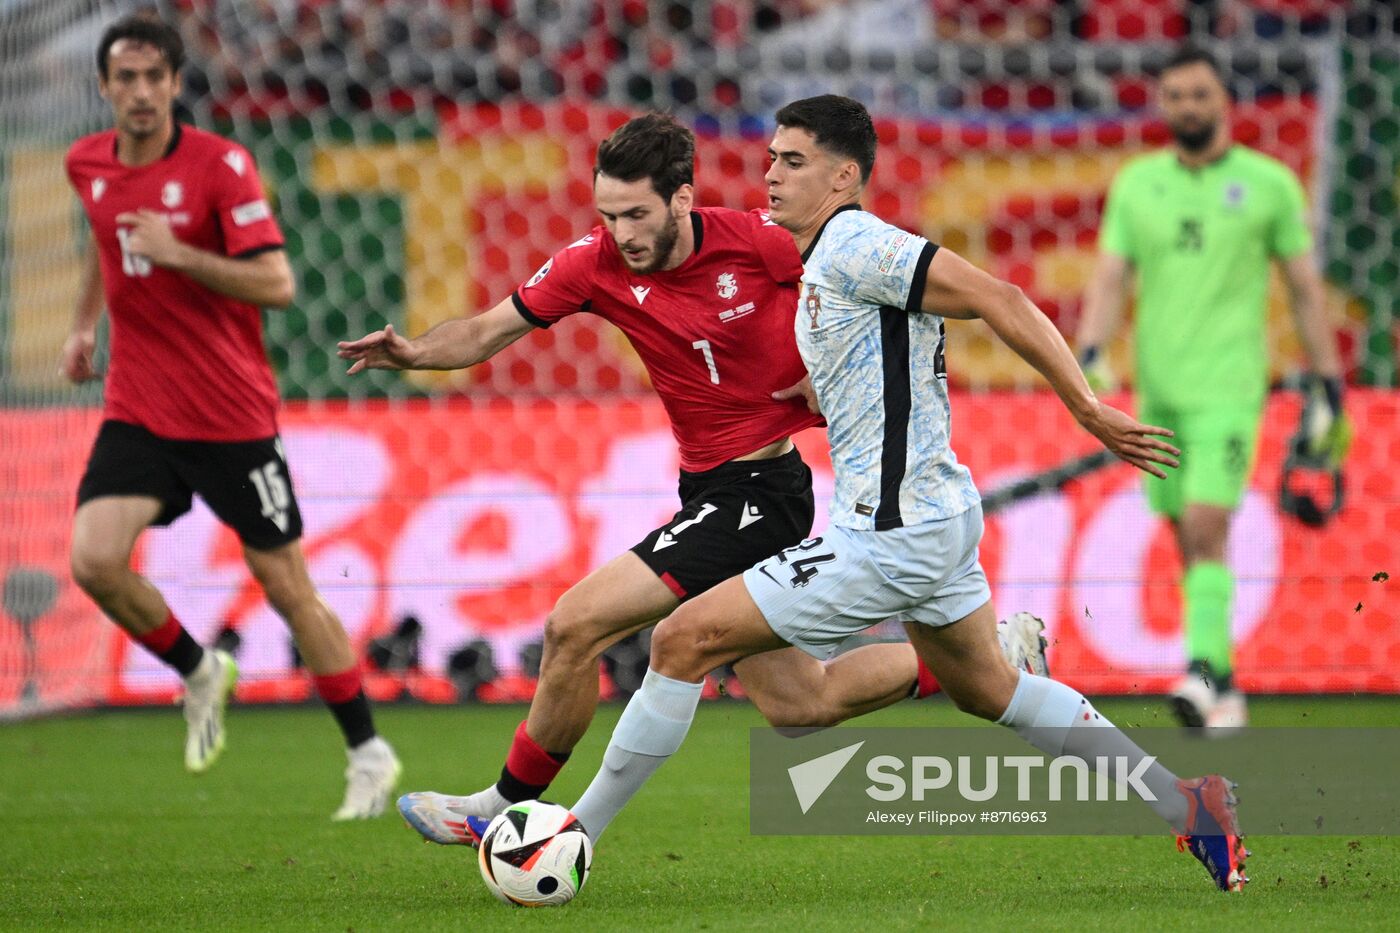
x: 968, y: 662
x: 105, y: 530
x: 731, y: 519
x: 619, y: 598
x: 816, y: 594
x: 248, y: 486
x: 1165, y: 496
x: 1217, y: 463
x: 129, y: 462
x: 720, y: 626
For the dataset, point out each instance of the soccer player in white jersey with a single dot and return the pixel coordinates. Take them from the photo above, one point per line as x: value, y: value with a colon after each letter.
x: 906, y: 519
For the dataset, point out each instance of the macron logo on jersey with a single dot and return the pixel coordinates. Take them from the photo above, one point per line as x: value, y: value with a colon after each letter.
x: 640, y: 293
x: 99, y: 188
x: 235, y: 160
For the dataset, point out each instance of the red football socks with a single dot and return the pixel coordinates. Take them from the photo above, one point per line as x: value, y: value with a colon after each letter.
x: 173, y: 645
x: 529, y: 768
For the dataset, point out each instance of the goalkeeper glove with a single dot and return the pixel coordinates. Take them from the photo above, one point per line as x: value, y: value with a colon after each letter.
x: 1326, y: 430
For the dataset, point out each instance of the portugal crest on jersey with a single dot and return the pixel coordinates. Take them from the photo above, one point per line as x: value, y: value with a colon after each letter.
x: 726, y: 285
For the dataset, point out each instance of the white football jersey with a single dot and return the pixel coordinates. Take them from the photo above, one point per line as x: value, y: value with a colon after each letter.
x: 876, y: 364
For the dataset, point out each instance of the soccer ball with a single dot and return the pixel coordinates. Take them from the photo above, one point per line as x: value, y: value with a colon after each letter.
x: 535, y: 854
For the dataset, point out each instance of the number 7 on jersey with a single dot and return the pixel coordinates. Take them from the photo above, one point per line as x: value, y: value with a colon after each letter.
x: 704, y: 347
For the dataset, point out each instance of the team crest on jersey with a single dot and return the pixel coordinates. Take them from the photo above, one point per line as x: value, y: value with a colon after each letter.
x: 1234, y: 196
x: 726, y: 285
x: 99, y: 188
x: 172, y: 194
x: 234, y: 160
x: 538, y: 277
x: 812, y: 302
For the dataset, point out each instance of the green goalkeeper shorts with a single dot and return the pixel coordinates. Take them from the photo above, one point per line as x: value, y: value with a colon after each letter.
x: 1217, y: 454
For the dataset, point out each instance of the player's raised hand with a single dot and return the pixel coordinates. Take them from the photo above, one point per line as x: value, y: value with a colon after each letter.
x: 383, y: 349
x: 802, y: 390
x: 76, y: 362
x: 151, y: 237
x: 1137, y: 443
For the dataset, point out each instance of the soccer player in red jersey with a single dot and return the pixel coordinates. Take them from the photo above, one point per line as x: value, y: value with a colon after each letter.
x: 185, y: 249
x: 707, y: 296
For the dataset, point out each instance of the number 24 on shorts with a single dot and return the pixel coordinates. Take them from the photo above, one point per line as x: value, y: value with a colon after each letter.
x: 804, y: 568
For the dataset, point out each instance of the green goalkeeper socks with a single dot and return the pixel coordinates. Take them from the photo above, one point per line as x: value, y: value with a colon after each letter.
x: 1208, y: 587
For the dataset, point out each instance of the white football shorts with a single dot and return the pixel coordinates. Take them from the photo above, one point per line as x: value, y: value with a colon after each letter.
x: 820, y: 592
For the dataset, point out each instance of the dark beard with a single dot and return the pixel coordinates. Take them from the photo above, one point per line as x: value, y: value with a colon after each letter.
x: 1195, y: 140
x: 661, y: 250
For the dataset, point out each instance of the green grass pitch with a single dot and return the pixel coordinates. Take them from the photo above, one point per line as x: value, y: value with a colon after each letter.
x: 101, y: 828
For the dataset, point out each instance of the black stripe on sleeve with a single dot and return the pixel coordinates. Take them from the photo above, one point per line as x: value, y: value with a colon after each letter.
x: 894, y: 451
x: 916, y: 287
x: 526, y: 313
x: 258, y: 250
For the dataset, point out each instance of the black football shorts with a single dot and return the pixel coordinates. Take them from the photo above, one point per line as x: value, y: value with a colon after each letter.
x: 245, y: 483
x: 731, y: 518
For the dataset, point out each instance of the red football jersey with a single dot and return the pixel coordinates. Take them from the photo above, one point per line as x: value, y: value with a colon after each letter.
x: 187, y: 363
x: 715, y: 333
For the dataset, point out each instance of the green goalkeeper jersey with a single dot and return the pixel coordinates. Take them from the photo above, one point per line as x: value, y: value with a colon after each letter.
x: 1200, y: 242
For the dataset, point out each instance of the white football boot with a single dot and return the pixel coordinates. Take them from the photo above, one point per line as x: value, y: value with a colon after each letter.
x: 1192, y: 699
x: 1024, y: 644
x: 1228, y: 715
x: 371, y: 777
x: 206, y: 695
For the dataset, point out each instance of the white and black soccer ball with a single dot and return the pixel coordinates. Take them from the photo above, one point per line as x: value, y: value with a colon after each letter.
x: 535, y: 854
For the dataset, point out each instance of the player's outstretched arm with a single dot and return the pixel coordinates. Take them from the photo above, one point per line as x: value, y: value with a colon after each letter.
x: 264, y: 280
x: 957, y: 289
x: 76, y: 362
x: 454, y: 344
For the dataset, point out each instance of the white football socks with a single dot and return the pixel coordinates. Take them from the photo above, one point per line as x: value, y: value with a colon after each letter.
x: 651, y: 730
x: 1057, y: 720
x: 487, y: 804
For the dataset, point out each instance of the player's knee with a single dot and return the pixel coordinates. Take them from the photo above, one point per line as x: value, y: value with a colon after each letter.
x: 678, y: 647
x: 97, y: 572
x: 1203, y: 535
x: 988, y: 692
x: 284, y: 582
x: 573, y: 636
x: 976, y: 703
x: 978, y: 698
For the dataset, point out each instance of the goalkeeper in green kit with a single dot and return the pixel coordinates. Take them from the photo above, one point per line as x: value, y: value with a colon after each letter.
x: 1197, y: 226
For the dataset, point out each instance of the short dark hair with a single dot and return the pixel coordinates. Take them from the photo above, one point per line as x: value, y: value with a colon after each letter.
x: 841, y: 125
x: 1192, y: 55
x: 148, y: 30
x: 653, y: 146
